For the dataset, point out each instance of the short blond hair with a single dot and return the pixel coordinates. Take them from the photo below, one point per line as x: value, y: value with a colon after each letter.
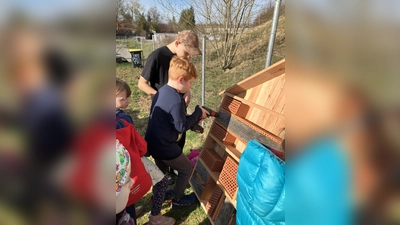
x: 123, y: 86
x: 181, y: 67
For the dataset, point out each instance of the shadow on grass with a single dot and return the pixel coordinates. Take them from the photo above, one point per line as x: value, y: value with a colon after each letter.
x: 206, y: 221
x: 184, y: 216
x: 139, y: 121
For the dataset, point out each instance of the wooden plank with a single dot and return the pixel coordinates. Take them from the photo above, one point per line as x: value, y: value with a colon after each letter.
x: 265, y: 121
x: 197, y: 185
x: 209, y: 143
x: 243, y: 131
x: 219, y: 206
x: 280, y: 128
x: 202, y: 171
x: 218, y: 148
x: 260, y: 130
x: 271, y: 92
x: 240, y: 145
x: 232, y: 221
x: 225, y: 214
x: 256, y: 106
x: 261, y: 77
x: 280, y: 102
x: 208, y: 190
x: 213, y: 174
x: 203, y: 205
x: 255, y: 92
x: 233, y: 152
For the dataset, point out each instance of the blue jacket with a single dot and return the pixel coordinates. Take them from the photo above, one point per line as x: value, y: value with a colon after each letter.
x: 261, y: 181
x: 119, y: 113
x: 320, y: 185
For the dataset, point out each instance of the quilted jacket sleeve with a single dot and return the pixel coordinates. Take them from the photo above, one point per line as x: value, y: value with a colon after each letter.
x: 261, y: 181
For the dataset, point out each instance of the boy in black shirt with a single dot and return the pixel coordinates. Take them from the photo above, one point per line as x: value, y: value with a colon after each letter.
x: 155, y: 71
x: 168, y: 121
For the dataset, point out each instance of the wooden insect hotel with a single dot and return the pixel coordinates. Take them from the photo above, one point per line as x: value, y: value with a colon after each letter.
x: 252, y: 109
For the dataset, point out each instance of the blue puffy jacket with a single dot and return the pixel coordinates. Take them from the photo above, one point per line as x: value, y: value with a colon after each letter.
x: 261, y: 181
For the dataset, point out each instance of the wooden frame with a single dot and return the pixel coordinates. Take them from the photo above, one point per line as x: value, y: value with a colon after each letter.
x: 251, y: 109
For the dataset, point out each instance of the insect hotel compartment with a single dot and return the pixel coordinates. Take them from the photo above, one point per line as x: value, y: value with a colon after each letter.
x: 227, y: 177
x: 235, y: 106
x: 213, y: 161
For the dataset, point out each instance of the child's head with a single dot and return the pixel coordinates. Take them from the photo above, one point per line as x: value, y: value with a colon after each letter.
x: 122, y: 94
x: 123, y: 179
x: 183, y: 72
x: 187, y: 44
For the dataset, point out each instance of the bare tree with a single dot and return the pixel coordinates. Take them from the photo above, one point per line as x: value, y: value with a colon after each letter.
x: 134, y: 8
x: 155, y: 19
x: 224, y: 19
x: 119, y: 10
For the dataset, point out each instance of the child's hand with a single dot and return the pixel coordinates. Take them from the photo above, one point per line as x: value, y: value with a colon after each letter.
x: 205, y: 113
x: 186, y: 97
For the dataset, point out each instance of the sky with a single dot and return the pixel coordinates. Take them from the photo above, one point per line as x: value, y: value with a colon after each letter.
x: 45, y: 9
x: 149, y: 3
x: 50, y: 9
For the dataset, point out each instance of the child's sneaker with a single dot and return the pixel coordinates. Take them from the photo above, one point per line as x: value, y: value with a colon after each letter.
x: 186, y: 200
x: 169, y: 194
x: 161, y: 220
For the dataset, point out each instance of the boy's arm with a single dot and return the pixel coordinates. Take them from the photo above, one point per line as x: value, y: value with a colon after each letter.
x: 186, y: 97
x: 182, y: 122
x: 143, y: 85
x: 148, y: 72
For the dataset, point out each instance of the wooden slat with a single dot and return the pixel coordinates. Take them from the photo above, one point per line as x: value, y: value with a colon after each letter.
x: 208, y: 189
x: 202, y: 172
x: 261, y: 77
x: 271, y: 92
x: 240, y: 146
x: 213, y: 174
x: 196, y: 184
x: 225, y: 214
x: 219, y: 206
x: 264, y: 95
x: 243, y: 131
x: 280, y: 102
x: 265, y: 120
x: 256, y: 106
x: 233, y: 152
x: 255, y: 93
x: 203, y: 205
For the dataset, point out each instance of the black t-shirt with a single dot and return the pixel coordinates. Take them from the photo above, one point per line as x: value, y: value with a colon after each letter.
x: 157, y: 65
